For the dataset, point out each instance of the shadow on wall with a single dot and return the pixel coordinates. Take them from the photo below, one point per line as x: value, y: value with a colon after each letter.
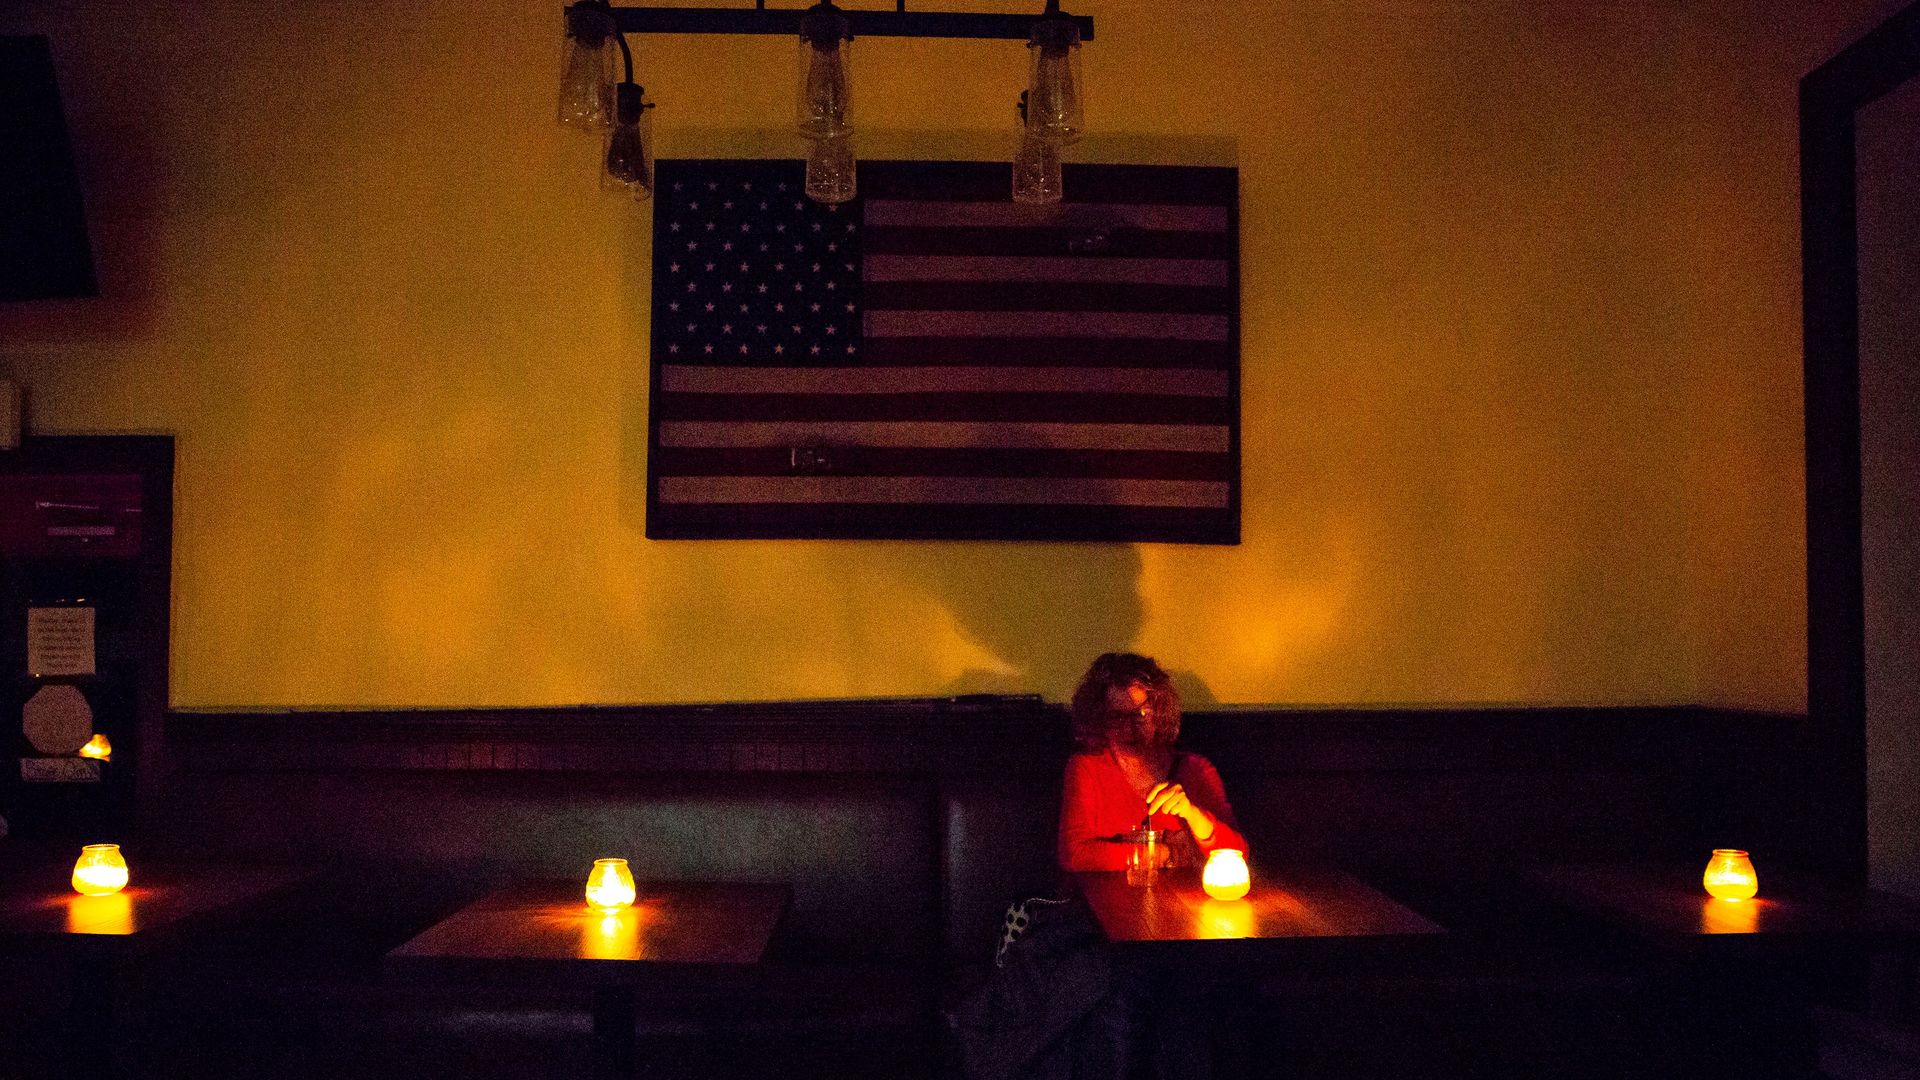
x: 1044, y: 611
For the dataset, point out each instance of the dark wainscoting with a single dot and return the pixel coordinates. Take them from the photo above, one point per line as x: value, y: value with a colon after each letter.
x: 1374, y: 786
x: 1442, y: 803
x: 900, y: 736
x: 911, y: 735
x: 904, y: 828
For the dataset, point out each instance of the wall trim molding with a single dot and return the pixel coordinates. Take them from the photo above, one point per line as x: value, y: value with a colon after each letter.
x: 1018, y: 733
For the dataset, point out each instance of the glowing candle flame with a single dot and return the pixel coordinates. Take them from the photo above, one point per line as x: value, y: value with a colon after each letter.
x: 99, y: 870
x: 610, y: 885
x: 98, y: 748
x: 1730, y: 876
x: 1225, y: 876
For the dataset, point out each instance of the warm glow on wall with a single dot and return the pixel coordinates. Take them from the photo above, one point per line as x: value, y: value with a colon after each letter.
x: 97, y: 747
x: 610, y: 885
x: 1730, y: 876
x: 99, y: 870
x: 1480, y: 463
x: 1225, y: 877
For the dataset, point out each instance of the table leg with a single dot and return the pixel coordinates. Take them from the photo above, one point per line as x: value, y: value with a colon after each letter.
x: 93, y: 1039
x: 613, y: 1048
x: 1892, y: 979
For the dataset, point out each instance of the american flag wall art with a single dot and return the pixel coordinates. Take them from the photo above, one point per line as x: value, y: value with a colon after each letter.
x: 934, y: 361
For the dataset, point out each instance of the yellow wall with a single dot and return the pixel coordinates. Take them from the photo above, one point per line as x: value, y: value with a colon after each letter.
x: 1521, y: 371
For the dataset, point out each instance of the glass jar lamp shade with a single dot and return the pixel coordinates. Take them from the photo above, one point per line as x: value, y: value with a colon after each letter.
x: 830, y: 170
x: 1729, y: 875
x: 587, y: 69
x: 826, y: 87
x: 1225, y: 876
x: 1036, y: 172
x: 100, y: 870
x: 629, y: 158
x: 609, y: 885
x: 1055, y: 108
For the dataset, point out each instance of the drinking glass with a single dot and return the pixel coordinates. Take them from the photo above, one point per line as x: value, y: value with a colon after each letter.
x: 1146, y: 854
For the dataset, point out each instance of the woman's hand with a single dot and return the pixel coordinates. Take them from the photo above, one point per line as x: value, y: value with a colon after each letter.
x: 1171, y: 798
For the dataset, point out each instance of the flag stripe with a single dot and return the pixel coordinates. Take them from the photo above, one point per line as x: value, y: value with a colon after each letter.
x: 1056, y: 491
x: 1043, y: 242
x: 888, y: 461
x: 1085, y: 324
x: 1191, y: 272
x: 883, y: 521
x: 1050, y: 352
x: 1163, y: 217
x: 1043, y: 296
x: 1188, y: 438
x: 689, y: 379
x: 983, y: 408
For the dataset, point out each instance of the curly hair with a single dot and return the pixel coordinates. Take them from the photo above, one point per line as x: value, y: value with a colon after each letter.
x: 1094, y: 729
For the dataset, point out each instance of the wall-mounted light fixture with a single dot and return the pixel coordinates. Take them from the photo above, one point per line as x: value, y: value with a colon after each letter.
x: 591, y: 101
x: 1052, y: 112
x: 826, y: 92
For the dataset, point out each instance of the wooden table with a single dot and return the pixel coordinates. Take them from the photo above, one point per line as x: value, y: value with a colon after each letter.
x: 1287, y: 908
x: 40, y: 911
x: 1224, y: 955
x: 1668, y: 906
x: 544, y: 930
x: 41, y: 906
x: 1749, y: 967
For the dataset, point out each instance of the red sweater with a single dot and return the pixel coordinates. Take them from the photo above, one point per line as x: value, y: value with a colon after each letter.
x: 1097, y: 803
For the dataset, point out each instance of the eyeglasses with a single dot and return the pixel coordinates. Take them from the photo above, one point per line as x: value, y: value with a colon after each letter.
x: 1140, y: 713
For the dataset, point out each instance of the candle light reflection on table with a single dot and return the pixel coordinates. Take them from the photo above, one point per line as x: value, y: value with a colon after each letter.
x: 612, y: 935
x: 1730, y: 916
x: 109, y: 914
x: 1226, y: 920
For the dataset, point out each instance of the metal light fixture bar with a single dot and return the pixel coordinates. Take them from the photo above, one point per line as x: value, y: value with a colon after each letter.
x: 899, y: 22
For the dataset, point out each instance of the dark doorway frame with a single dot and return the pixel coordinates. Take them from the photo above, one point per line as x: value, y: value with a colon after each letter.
x: 1830, y: 97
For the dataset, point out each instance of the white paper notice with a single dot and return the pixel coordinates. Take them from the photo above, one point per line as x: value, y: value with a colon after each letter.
x: 59, y: 641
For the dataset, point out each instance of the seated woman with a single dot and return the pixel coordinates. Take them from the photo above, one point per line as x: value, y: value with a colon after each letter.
x: 1126, y: 717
